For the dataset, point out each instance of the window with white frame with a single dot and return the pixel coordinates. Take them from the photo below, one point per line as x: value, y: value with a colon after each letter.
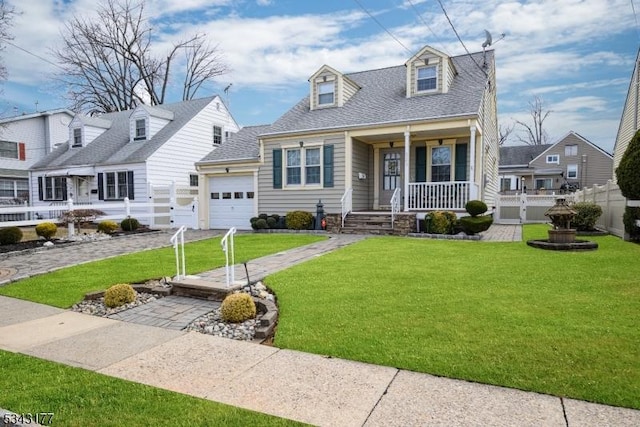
x: 505, y: 184
x: 544, y: 183
x: 326, y: 93
x: 553, y: 159
x: 426, y: 79
x: 303, y: 166
x: 572, y: 171
x: 217, y: 135
x: 141, y: 130
x: 571, y: 150
x: 8, y: 149
x: 14, y: 188
x: 77, y: 137
x: 7, y: 188
x: 54, y: 188
x: 441, y: 164
x: 116, y: 185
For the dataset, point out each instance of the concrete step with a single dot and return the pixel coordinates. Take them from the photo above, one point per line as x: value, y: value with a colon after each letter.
x: 200, y: 288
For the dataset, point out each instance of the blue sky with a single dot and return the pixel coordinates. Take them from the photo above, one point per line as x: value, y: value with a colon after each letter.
x: 577, y: 55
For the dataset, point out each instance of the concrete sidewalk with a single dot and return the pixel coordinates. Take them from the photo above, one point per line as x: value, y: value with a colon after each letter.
x: 305, y: 387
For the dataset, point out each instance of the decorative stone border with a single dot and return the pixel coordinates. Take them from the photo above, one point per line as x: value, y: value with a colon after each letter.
x: 445, y: 236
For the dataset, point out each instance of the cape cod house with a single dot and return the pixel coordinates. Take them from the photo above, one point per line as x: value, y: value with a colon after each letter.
x: 416, y: 137
x: 118, y: 155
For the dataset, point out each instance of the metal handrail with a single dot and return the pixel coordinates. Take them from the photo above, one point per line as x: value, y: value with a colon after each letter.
x: 229, y: 270
x: 346, y: 203
x: 395, y: 205
x: 177, y: 240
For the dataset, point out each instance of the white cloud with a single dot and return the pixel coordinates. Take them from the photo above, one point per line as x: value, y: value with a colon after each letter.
x: 263, y: 2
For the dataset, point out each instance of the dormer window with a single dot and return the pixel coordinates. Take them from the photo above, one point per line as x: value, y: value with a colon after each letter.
x: 427, y: 79
x: 141, y: 130
x: 326, y: 93
x: 77, y: 137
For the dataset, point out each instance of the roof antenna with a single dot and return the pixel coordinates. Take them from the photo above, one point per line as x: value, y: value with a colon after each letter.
x: 226, y: 92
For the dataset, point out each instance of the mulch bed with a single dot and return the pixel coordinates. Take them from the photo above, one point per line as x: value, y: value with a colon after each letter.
x: 29, y: 244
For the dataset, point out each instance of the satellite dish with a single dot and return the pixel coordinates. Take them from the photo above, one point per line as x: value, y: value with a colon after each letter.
x: 488, y: 40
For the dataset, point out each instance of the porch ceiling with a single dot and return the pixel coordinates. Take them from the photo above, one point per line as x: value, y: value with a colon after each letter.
x: 384, y: 136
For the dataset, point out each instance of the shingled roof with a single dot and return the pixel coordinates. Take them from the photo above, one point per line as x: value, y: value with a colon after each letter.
x: 382, y: 100
x: 242, y: 145
x: 114, y: 147
x: 520, y: 155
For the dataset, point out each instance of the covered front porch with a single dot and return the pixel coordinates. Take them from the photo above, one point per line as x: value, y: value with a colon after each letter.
x: 417, y: 168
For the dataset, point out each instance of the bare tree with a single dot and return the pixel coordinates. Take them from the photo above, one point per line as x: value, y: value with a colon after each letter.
x: 535, y: 133
x: 7, y: 13
x: 504, y: 132
x: 109, y: 64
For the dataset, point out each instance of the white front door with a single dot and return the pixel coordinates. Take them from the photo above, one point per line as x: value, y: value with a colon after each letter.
x: 81, y: 189
x: 231, y: 202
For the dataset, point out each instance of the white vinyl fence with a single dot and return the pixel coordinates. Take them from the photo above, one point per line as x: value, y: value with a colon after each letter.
x: 168, y: 207
x: 524, y: 208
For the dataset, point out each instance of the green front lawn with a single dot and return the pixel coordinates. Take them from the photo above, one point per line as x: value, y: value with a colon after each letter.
x: 563, y: 323
x: 77, y: 397
x: 65, y: 287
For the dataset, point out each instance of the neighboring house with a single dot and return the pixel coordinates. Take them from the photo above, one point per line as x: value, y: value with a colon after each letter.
x: 571, y: 163
x: 630, y: 120
x: 427, y: 128
x: 24, y: 140
x: 118, y: 155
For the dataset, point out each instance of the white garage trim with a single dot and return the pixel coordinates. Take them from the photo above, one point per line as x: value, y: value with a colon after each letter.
x: 232, y: 201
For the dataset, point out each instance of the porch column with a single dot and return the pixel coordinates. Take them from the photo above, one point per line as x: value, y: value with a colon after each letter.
x: 472, y: 162
x: 407, y: 151
x: 348, y: 161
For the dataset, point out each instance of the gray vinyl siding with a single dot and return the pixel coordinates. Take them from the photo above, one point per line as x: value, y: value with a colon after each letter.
x: 630, y: 119
x: 331, y: 78
x: 281, y: 201
x: 348, y: 90
x: 362, y: 162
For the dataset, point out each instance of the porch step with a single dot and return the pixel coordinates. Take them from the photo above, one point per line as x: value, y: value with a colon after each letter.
x: 369, y: 223
x: 200, y: 288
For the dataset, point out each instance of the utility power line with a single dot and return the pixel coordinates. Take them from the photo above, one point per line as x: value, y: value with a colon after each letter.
x: 382, y: 26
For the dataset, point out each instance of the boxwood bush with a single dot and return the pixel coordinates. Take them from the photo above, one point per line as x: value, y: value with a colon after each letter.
x: 10, y: 235
x: 475, y: 224
x: 299, y: 220
x: 586, y: 217
x: 46, y: 230
x: 440, y: 222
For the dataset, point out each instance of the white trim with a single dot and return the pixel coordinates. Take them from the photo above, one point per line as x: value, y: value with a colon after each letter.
x: 552, y: 156
x: 417, y: 70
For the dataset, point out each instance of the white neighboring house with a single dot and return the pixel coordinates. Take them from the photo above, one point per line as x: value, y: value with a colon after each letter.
x: 117, y: 155
x: 24, y: 140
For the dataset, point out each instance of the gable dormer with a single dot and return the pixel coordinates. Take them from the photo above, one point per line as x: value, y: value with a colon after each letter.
x: 429, y: 71
x: 146, y: 121
x: 330, y: 88
x: 84, y: 129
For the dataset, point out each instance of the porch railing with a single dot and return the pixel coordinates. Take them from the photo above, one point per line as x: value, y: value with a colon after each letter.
x: 395, y: 205
x: 347, y: 203
x: 441, y: 195
x: 177, y: 240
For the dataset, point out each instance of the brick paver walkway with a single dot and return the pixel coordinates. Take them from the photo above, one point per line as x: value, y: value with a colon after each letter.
x: 171, y: 312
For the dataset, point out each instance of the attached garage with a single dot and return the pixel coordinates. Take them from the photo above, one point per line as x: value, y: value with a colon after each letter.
x: 231, y: 201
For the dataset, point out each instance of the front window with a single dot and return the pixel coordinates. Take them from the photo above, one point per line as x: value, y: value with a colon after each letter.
x: 193, y: 180
x: 7, y: 188
x: 141, y: 129
x: 325, y: 93
x: 571, y: 150
x: 9, y: 149
x: 427, y: 79
x: 303, y: 166
x: 505, y: 184
x: 217, y: 135
x: 553, y: 158
x: 54, y: 188
x: 544, y: 183
x: 116, y: 185
x: 440, y: 164
x: 572, y: 171
x: 77, y: 137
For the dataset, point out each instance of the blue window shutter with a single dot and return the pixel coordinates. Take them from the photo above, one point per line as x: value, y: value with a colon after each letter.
x: 461, y: 162
x: 130, y: 185
x: 328, y: 165
x: 100, y: 186
x: 277, y: 168
x: 421, y: 164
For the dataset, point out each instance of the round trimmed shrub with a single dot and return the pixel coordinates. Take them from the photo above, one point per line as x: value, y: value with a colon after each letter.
x: 272, y: 222
x: 10, y: 235
x: 118, y: 295
x: 252, y: 221
x: 107, y: 227
x: 238, y: 307
x: 263, y: 216
x: 475, y: 207
x: 261, y: 224
x: 475, y: 224
x: 586, y: 217
x: 46, y: 230
x: 299, y: 220
x: 440, y: 222
x: 129, y: 224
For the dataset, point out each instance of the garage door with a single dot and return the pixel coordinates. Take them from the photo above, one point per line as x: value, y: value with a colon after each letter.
x: 231, y: 202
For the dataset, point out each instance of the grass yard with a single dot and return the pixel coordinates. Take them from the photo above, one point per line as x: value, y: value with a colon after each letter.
x: 65, y: 287
x: 562, y: 323
x: 78, y: 397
